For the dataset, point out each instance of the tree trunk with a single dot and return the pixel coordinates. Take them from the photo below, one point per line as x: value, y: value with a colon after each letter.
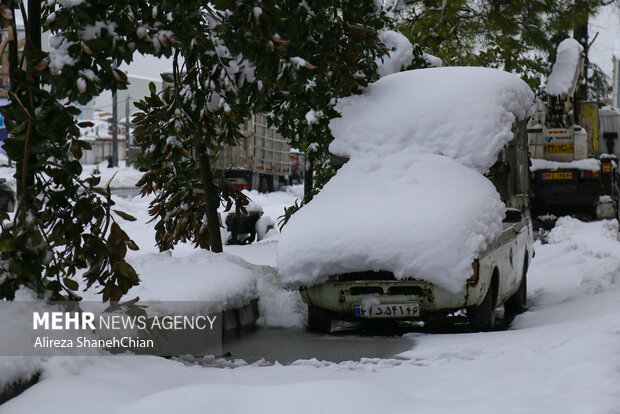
x: 581, y: 35
x: 308, y: 179
x: 33, y: 42
x: 212, y: 197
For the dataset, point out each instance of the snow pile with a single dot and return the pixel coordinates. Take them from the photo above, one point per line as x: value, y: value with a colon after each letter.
x: 465, y: 113
x: 434, y: 205
x: 588, y: 164
x: 225, y: 280
x: 580, y: 260
x: 124, y: 176
x: 419, y: 143
x: 18, y: 369
x: 433, y: 61
x: 400, y: 53
x: 566, y: 69
x: 221, y: 278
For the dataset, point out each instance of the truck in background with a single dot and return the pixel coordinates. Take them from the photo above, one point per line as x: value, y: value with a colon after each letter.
x: 261, y: 161
x: 569, y: 174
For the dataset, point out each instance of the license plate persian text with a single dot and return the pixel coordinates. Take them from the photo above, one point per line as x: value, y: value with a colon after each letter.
x: 398, y: 310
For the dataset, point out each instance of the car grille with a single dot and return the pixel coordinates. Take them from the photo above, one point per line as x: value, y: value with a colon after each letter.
x: 364, y: 276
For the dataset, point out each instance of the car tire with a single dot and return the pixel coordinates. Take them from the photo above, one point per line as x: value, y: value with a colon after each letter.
x: 517, y: 303
x: 10, y: 206
x: 482, y: 317
x: 319, y: 320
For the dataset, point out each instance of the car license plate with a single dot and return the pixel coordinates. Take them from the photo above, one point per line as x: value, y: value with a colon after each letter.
x: 557, y: 176
x: 397, y: 310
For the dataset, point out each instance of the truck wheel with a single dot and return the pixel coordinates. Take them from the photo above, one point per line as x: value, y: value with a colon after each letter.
x: 319, y: 320
x: 482, y: 317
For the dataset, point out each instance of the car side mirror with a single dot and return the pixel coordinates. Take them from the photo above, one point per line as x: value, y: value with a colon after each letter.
x: 513, y: 215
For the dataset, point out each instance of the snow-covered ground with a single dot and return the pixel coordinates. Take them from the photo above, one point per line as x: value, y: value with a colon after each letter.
x: 124, y: 176
x: 561, y: 356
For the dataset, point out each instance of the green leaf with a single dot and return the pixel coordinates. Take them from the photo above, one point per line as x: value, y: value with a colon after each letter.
x: 127, y: 271
x: 71, y: 284
x: 124, y: 215
x: 132, y: 245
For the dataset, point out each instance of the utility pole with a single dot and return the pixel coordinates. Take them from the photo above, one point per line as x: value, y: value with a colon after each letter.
x: 114, y: 130
x: 128, y: 139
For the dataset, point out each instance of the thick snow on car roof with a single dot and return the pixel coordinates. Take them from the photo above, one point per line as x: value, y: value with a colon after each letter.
x: 465, y: 113
x: 419, y: 143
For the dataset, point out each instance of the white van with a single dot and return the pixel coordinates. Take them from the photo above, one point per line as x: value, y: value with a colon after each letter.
x: 429, y: 214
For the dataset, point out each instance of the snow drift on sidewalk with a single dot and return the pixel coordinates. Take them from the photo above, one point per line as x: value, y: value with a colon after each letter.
x: 419, y: 143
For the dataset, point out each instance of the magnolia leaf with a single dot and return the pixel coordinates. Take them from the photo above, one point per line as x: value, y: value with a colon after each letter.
x: 71, y: 284
x: 124, y: 215
x: 107, y: 184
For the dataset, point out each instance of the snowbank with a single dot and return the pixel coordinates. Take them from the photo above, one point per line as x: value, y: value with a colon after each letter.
x: 434, y: 205
x: 124, y: 176
x: 565, y: 71
x: 580, y: 260
x: 465, y: 113
x: 223, y: 279
x: 400, y: 53
x: 419, y: 143
x: 588, y: 164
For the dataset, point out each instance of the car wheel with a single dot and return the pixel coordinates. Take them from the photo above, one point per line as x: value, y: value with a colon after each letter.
x: 10, y: 206
x: 319, y: 320
x: 517, y: 303
x: 482, y: 317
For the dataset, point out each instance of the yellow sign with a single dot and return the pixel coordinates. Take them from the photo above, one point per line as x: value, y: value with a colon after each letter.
x: 557, y: 176
x: 559, y: 148
x: 589, y: 120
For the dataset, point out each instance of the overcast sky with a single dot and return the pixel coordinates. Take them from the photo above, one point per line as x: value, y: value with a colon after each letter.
x: 607, y: 24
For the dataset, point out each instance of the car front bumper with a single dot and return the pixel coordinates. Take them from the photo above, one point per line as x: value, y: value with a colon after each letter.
x: 341, y: 297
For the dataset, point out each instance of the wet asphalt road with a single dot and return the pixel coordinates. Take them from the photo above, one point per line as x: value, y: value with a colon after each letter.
x: 288, y: 345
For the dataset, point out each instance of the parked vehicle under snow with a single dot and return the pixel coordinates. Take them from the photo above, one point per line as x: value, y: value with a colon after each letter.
x: 446, y: 150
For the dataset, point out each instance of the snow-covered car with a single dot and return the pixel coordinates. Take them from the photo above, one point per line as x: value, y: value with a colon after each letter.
x: 430, y: 214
